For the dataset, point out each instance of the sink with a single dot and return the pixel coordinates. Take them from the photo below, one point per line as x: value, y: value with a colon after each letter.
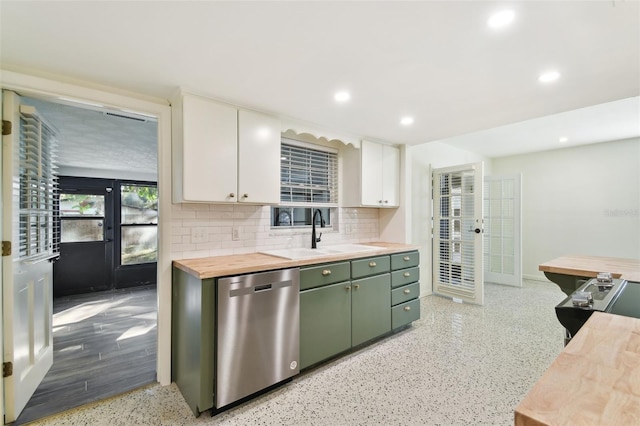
x: 306, y: 253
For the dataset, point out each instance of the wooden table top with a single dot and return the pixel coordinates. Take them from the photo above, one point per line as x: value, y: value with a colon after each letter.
x: 594, y: 381
x: 220, y: 266
x: 589, y: 266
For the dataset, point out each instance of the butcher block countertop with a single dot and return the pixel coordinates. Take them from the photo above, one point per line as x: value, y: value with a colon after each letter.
x: 594, y: 381
x: 220, y: 266
x: 589, y: 266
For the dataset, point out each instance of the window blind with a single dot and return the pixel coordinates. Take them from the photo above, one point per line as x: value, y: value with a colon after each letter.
x: 38, y: 186
x: 308, y: 175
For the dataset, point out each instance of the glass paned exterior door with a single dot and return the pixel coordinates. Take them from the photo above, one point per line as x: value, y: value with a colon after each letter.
x: 502, y: 221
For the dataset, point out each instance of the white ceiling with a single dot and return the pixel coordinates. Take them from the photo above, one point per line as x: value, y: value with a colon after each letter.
x: 98, y: 139
x: 436, y: 61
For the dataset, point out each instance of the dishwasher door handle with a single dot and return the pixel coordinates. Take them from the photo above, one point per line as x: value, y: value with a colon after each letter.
x: 264, y: 287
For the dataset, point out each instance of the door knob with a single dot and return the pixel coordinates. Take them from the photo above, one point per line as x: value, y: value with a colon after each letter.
x: 477, y: 230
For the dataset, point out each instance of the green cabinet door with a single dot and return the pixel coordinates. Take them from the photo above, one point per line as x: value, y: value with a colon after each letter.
x: 325, y: 322
x: 370, y: 308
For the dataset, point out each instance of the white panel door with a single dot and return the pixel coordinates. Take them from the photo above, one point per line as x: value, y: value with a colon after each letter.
x: 258, y: 158
x: 502, y: 230
x: 457, y: 236
x: 27, y: 281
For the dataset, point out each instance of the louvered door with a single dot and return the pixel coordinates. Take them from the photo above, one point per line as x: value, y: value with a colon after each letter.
x: 457, y: 236
x: 29, y: 189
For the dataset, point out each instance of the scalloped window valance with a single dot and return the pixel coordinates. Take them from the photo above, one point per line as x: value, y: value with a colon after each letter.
x: 291, y: 128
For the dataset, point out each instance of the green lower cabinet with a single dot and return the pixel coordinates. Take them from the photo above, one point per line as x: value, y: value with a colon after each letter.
x: 370, y: 308
x: 405, y: 313
x: 325, y: 322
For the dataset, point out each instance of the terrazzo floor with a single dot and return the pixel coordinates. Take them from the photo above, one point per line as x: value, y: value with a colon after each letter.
x: 459, y: 364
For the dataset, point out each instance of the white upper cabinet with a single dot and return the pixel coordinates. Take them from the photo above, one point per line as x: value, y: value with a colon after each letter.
x: 376, y: 169
x: 259, y: 158
x: 222, y: 155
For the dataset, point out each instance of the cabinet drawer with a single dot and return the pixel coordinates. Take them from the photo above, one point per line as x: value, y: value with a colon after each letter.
x: 329, y: 273
x: 404, y: 260
x: 405, y: 313
x: 402, y: 294
x: 404, y: 276
x: 370, y: 266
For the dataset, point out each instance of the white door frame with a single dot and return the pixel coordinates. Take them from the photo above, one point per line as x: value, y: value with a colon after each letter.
x: 28, y: 85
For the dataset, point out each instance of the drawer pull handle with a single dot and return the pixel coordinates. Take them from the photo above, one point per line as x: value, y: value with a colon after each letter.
x: 406, y: 258
x: 347, y: 288
x: 407, y: 291
x: 407, y: 308
x: 406, y: 274
x: 326, y: 272
x: 356, y: 286
x: 373, y: 264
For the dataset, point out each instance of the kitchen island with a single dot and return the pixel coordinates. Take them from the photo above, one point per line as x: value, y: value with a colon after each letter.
x: 570, y: 272
x: 594, y: 380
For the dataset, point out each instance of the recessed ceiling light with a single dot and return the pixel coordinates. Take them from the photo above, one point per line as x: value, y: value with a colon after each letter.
x: 549, y: 76
x: 563, y: 139
x: 501, y: 19
x: 342, y: 96
x: 406, y: 121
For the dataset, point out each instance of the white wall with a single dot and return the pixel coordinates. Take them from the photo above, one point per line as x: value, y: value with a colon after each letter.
x: 424, y: 158
x: 581, y: 200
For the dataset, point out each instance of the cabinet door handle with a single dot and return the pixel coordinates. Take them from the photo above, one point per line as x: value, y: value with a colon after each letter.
x: 326, y: 272
x: 386, y: 201
x: 232, y: 195
x: 245, y: 195
x: 407, y: 308
x: 406, y: 275
x: 373, y: 264
x: 406, y: 258
x: 347, y: 287
x: 407, y: 291
x: 356, y: 286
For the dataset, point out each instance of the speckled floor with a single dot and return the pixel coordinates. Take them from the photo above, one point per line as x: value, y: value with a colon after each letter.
x: 458, y: 365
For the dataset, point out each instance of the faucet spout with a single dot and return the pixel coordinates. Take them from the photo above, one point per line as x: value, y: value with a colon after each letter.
x: 315, y: 240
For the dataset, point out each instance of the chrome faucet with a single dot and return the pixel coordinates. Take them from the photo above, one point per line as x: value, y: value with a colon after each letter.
x: 315, y: 240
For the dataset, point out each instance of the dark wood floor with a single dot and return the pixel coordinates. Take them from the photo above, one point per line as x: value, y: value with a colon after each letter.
x: 104, y: 344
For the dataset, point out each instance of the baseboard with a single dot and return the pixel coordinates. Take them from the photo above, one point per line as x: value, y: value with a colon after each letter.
x: 540, y: 278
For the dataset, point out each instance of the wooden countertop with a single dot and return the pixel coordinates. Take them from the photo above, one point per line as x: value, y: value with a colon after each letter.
x: 594, y: 381
x: 220, y: 266
x: 589, y: 266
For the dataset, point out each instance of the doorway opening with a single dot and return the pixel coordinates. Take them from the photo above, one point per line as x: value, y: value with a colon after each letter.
x: 104, y: 283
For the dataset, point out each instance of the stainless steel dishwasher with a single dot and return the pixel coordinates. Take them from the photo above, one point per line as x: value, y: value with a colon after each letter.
x: 258, y: 342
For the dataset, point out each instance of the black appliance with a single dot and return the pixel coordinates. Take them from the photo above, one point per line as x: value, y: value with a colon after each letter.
x: 614, y: 296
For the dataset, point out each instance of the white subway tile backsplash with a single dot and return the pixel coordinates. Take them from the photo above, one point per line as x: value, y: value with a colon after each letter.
x: 217, y: 221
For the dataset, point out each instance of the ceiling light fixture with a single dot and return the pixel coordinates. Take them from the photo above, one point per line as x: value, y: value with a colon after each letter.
x: 406, y: 121
x: 563, y: 139
x: 501, y: 19
x: 342, y: 96
x: 549, y: 76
